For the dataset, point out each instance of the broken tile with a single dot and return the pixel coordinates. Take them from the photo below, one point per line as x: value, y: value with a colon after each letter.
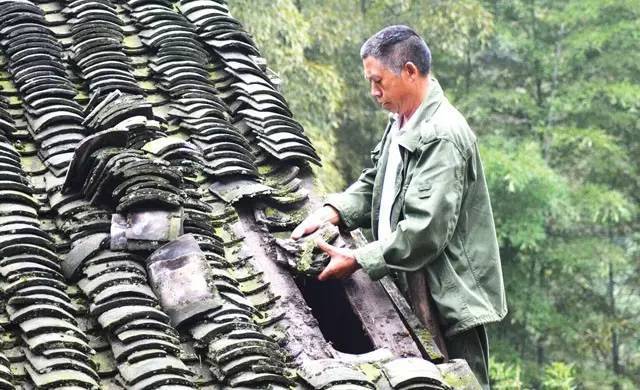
x: 81, y: 251
x: 177, y: 263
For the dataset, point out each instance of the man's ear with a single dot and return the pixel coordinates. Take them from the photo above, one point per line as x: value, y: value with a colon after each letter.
x: 411, y: 69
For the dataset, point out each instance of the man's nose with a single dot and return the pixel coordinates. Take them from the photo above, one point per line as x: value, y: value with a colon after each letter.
x: 375, y: 91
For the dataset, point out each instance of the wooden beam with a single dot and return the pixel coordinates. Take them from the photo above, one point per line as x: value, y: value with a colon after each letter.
x: 424, y: 338
x: 379, y: 318
x: 420, y: 334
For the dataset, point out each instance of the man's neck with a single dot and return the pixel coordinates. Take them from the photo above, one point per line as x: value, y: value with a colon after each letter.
x: 420, y: 95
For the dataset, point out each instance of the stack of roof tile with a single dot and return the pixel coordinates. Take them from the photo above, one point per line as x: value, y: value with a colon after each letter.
x: 38, y: 72
x: 97, y: 37
x: 179, y: 64
x: 6, y: 378
x: 253, y: 97
x: 57, y: 351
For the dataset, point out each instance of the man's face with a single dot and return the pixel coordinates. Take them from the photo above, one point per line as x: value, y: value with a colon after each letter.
x: 390, y: 90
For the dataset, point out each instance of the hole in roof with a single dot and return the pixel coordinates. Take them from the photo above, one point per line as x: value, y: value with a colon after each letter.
x: 339, y: 324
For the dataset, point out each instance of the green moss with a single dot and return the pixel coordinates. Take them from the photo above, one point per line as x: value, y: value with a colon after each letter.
x: 271, y: 212
x: 455, y: 381
x: 220, y: 232
x: 14, y: 101
x: 259, y: 316
x: 309, y: 250
x: 231, y: 253
x: 289, y: 217
x: 141, y: 72
x: 281, y: 235
x: 329, y: 234
x: 291, y: 198
x: 147, y: 85
x: 131, y: 41
x: 251, y: 285
x: 371, y: 370
x: 7, y: 339
x: 426, y: 339
x: 265, y: 169
x: 156, y: 98
x: 300, y: 214
x: 7, y: 86
x: 306, y: 256
x: 139, y: 60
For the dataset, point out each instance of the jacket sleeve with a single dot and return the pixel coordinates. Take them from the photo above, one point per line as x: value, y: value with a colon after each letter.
x: 431, y: 209
x: 354, y: 204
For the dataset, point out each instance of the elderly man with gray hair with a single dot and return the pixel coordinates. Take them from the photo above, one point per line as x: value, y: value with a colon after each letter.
x: 426, y: 201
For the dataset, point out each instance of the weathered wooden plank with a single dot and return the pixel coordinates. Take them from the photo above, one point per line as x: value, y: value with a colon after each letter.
x: 423, y: 307
x: 423, y: 338
x: 379, y: 318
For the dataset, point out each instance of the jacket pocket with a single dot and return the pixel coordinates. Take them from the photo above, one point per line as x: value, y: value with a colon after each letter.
x: 425, y: 190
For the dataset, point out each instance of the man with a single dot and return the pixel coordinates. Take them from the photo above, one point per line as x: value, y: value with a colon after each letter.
x: 425, y: 199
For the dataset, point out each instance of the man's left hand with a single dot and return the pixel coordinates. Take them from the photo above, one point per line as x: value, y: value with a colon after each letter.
x: 343, y: 263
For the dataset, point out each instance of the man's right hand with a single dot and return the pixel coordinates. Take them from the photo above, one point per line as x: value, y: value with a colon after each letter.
x: 315, y: 220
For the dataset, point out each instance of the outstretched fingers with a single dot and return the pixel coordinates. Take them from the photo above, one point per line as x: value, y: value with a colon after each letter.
x: 326, y: 247
x: 307, y: 226
x: 343, y: 262
x: 326, y: 273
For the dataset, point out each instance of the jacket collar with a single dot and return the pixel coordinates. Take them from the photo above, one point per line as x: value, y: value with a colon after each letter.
x: 410, y: 136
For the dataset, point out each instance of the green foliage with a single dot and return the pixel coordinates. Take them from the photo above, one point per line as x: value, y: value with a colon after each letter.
x: 568, y: 147
x: 603, y: 207
x: 571, y: 294
x: 524, y: 191
x: 558, y: 376
x: 504, y: 376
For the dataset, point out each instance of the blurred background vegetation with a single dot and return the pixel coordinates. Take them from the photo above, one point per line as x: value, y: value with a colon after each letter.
x: 552, y: 88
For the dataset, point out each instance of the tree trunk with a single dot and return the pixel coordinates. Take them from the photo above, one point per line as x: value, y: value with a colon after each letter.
x: 467, y: 72
x: 615, y: 347
x: 541, y: 339
x: 540, y: 352
x: 523, y: 345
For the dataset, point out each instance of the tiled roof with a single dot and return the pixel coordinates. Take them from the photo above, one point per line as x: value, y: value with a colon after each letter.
x: 124, y: 125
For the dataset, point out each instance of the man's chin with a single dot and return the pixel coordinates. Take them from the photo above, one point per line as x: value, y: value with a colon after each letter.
x: 387, y: 107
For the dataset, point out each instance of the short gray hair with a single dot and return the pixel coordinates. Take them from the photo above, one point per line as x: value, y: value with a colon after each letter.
x: 394, y: 46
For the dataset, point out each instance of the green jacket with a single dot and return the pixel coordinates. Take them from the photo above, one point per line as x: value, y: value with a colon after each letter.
x: 441, y: 214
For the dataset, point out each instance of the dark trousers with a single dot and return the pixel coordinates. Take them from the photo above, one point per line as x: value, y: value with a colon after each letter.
x: 472, y: 346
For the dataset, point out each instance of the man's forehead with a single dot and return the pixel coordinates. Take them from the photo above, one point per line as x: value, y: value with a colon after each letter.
x: 368, y: 74
x: 372, y: 67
